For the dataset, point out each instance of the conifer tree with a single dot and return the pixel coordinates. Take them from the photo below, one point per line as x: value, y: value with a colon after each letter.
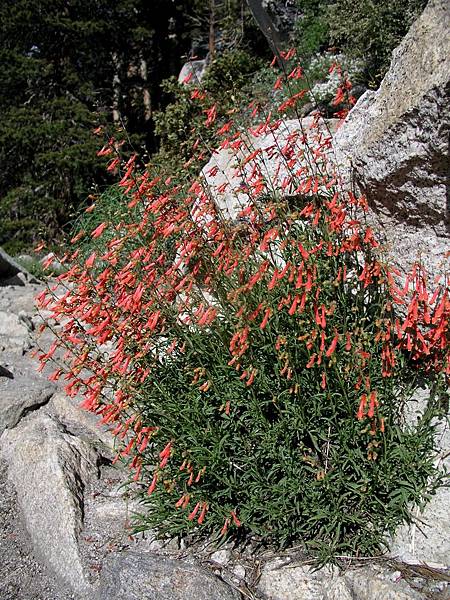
x: 67, y: 66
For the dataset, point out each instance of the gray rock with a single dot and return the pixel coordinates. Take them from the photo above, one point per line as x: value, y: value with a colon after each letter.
x: 26, y: 320
x: 11, y: 325
x: 280, y: 581
x: 370, y: 583
x: 81, y: 422
x: 221, y: 557
x: 301, y: 582
x: 16, y: 299
x: 239, y: 571
x: 139, y: 576
x: 14, y: 334
x: 108, y: 509
x: 223, y: 168
x: 9, y: 269
x: 397, y: 142
x: 21, y: 576
x: 195, y: 69
x: 49, y: 469
x: 21, y: 393
x: 428, y: 540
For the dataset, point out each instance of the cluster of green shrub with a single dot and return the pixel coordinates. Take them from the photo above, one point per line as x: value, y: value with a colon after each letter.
x: 368, y: 30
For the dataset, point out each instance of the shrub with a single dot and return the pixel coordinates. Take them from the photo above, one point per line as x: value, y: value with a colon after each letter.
x: 182, y: 122
x: 311, y: 32
x: 371, y: 30
x: 368, y: 30
x: 254, y: 366
x: 324, y: 84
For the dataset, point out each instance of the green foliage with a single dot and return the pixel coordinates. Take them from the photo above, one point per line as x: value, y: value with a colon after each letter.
x: 43, y: 184
x: 298, y: 467
x: 47, y: 151
x: 231, y: 71
x: 110, y: 207
x: 175, y: 125
x: 368, y: 30
x: 311, y: 34
x: 371, y: 29
x: 59, y: 62
x: 183, y: 120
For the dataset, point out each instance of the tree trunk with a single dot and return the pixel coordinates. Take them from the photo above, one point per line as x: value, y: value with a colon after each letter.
x: 116, y: 86
x: 266, y: 25
x: 212, y: 32
x: 146, y: 98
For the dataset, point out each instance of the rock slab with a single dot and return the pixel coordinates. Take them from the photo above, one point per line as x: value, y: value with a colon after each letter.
x: 135, y: 576
x: 397, y: 142
x: 21, y: 393
x: 301, y: 582
x: 228, y: 182
x: 192, y: 72
x: 21, y: 576
x: 14, y: 333
x: 49, y: 469
x: 428, y: 540
x: 10, y: 271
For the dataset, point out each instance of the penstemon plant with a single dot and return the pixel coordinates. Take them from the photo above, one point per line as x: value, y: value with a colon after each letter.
x: 243, y: 336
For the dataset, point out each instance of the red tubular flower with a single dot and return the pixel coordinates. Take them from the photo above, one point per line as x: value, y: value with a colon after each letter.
x: 332, y: 347
x: 211, y: 114
x: 180, y: 502
x: 362, y: 407
x: 373, y: 403
x: 152, y: 487
x: 348, y: 343
x: 138, y: 472
x: 311, y: 361
x: 339, y: 96
x: 266, y: 318
x: 90, y: 261
x: 235, y: 519
x: 251, y: 378
x: 166, y: 451
x: 191, y: 516
x: 225, y: 527
x: 293, y: 307
x: 278, y: 83
x: 203, y: 513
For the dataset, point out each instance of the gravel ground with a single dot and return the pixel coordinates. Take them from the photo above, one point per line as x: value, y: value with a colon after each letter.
x: 21, y: 576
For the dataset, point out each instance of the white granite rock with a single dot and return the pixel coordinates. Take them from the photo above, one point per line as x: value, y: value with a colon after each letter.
x: 397, y: 142
x: 49, y: 468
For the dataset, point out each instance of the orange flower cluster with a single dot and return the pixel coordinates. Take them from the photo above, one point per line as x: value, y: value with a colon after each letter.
x: 277, y: 275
